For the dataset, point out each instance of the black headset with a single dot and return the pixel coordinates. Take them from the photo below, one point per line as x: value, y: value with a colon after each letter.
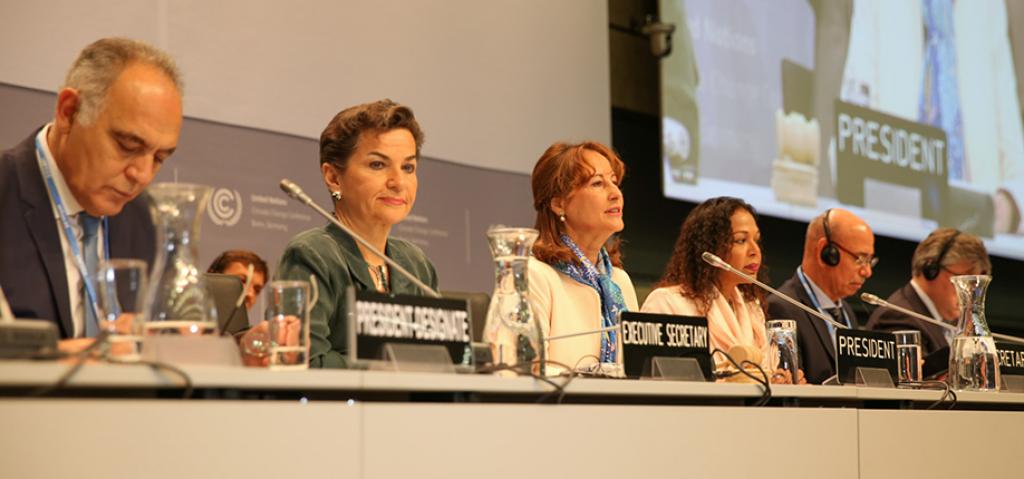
x: 933, y: 266
x: 830, y: 253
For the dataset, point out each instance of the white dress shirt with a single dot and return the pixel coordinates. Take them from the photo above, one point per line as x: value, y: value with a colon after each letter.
x: 76, y: 288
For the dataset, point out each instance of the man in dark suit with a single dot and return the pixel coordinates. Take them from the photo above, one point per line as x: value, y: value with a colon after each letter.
x: 70, y: 192
x: 839, y: 253
x: 945, y: 253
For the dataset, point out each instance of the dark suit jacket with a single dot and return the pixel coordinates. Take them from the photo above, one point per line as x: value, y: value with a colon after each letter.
x: 32, y: 271
x: 817, y: 350
x: 933, y: 337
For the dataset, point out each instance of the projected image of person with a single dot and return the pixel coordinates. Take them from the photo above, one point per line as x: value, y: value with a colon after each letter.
x: 681, y: 114
x: 734, y: 308
x: 949, y: 65
x: 943, y: 254
x: 369, y: 154
x: 575, y: 276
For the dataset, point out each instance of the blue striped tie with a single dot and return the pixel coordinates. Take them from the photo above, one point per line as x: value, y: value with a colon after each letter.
x: 89, y: 226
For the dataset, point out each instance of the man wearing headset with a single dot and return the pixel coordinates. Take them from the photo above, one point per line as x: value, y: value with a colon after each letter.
x: 945, y: 253
x: 839, y: 253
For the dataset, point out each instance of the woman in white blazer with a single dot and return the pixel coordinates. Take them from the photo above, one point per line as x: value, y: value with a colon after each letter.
x: 728, y: 228
x: 576, y: 279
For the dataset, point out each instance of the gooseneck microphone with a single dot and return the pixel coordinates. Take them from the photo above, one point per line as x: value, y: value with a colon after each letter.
x: 875, y: 300
x: 721, y: 264
x: 584, y: 333
x: 294, y: 191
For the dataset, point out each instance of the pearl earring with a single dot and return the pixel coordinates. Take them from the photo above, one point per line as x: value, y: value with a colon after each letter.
x: 561, y: 217
x: 336, y: 195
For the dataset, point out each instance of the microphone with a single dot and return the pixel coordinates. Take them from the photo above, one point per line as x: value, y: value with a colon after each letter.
x: 245, y: 286
x: 720, y: 264
x: 584, y: 333
x: 875, y: 300
x: 293, y: 190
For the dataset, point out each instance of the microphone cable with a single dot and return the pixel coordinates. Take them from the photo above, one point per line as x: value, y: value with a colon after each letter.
x: 766, y: 393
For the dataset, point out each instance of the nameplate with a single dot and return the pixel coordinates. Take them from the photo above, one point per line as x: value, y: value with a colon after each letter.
x: 1011, y: 358
x: 873, y: 145
x: 645, y: 336
x: 376, y: 319
x: 864, y: 349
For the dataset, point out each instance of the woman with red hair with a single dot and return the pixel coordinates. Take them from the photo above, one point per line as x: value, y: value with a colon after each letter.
x: 575, y: 278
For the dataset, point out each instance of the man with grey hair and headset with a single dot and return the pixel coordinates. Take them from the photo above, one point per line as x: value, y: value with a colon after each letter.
x: 945, y: 253
x: 70, y: 192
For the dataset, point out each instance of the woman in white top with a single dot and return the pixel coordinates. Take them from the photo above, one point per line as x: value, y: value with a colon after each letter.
x: 728, y: 228
x: 575, y: 276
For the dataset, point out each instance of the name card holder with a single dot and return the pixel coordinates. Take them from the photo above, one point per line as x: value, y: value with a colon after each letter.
x: 202, y: 350
x: 408, y: 333
x: 420, y: 358
x: 866, y: 358
x: 664, y: 346
x: 874, y: 378
x: 1011, y: 366
x: 673, y: 369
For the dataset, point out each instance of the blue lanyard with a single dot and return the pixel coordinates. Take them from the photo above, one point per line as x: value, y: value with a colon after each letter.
x: 817, y: 305
x: 69, y: 233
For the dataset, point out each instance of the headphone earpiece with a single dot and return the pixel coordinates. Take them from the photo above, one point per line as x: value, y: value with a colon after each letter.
x: 933, y: 267
x: 830, y: 253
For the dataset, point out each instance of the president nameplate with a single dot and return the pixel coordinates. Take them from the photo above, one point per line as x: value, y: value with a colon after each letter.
x: 378, y: 319
x: 864, y: 349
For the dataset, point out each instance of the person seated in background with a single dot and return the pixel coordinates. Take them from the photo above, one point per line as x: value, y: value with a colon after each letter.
x: 236, y: 262
x: 839, y: 254
x: 369, y: 155
x: 71, y: 193
x: 726, y: 227
x: 576, y: 279
x: 945, y: 253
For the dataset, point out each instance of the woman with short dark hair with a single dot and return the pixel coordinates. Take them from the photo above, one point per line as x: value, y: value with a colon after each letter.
x: 368, y: 158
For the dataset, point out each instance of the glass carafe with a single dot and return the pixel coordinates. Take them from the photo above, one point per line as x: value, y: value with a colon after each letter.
x: 514, y: 336
x: 178, y: 301
x: 973, y: 360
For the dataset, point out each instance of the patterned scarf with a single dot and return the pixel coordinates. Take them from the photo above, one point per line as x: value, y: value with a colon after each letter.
x: 611, y: 296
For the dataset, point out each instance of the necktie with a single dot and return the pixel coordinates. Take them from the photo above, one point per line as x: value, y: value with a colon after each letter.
x: 837, y: 314
x: 90, y: 224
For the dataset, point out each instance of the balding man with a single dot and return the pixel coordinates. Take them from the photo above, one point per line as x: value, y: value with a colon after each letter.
x: 69, y: 193
x: 945, y: 253
x: 839, y: 252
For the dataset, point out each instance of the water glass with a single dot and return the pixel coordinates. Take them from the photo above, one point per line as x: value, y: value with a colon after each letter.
x: 783, y: 351
x: 287, y: 313
x: 121, y: 286
x: 908, y: 354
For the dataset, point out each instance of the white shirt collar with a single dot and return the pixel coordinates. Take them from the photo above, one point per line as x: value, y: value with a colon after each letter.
x: 926, y: 300
x: 823, y: 300
x: 71, y: 204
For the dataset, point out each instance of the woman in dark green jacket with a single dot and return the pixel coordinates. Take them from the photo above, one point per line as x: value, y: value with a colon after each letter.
x: 368, y: 156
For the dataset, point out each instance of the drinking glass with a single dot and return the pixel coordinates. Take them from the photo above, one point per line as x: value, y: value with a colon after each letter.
x: 908, y: 353
x: 783, y: 351
x: 287, y: 313
x: 121, y: 286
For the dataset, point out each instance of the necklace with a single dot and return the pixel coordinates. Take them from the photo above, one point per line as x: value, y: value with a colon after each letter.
x: 380, y: 278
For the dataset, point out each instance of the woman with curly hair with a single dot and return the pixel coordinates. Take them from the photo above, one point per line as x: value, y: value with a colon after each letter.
x: 575, y: 277
x: 726, y: 227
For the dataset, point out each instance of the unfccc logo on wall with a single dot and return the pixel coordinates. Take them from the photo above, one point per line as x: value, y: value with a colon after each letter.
x: 225, y: 207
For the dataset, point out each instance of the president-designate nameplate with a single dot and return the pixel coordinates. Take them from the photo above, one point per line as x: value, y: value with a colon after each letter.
x: 864, y: 349
x: 645, y: 336
x: 377, y: 319
x: 1011, y: 358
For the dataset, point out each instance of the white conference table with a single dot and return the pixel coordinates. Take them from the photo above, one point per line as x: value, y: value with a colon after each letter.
x: 122, y: 420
